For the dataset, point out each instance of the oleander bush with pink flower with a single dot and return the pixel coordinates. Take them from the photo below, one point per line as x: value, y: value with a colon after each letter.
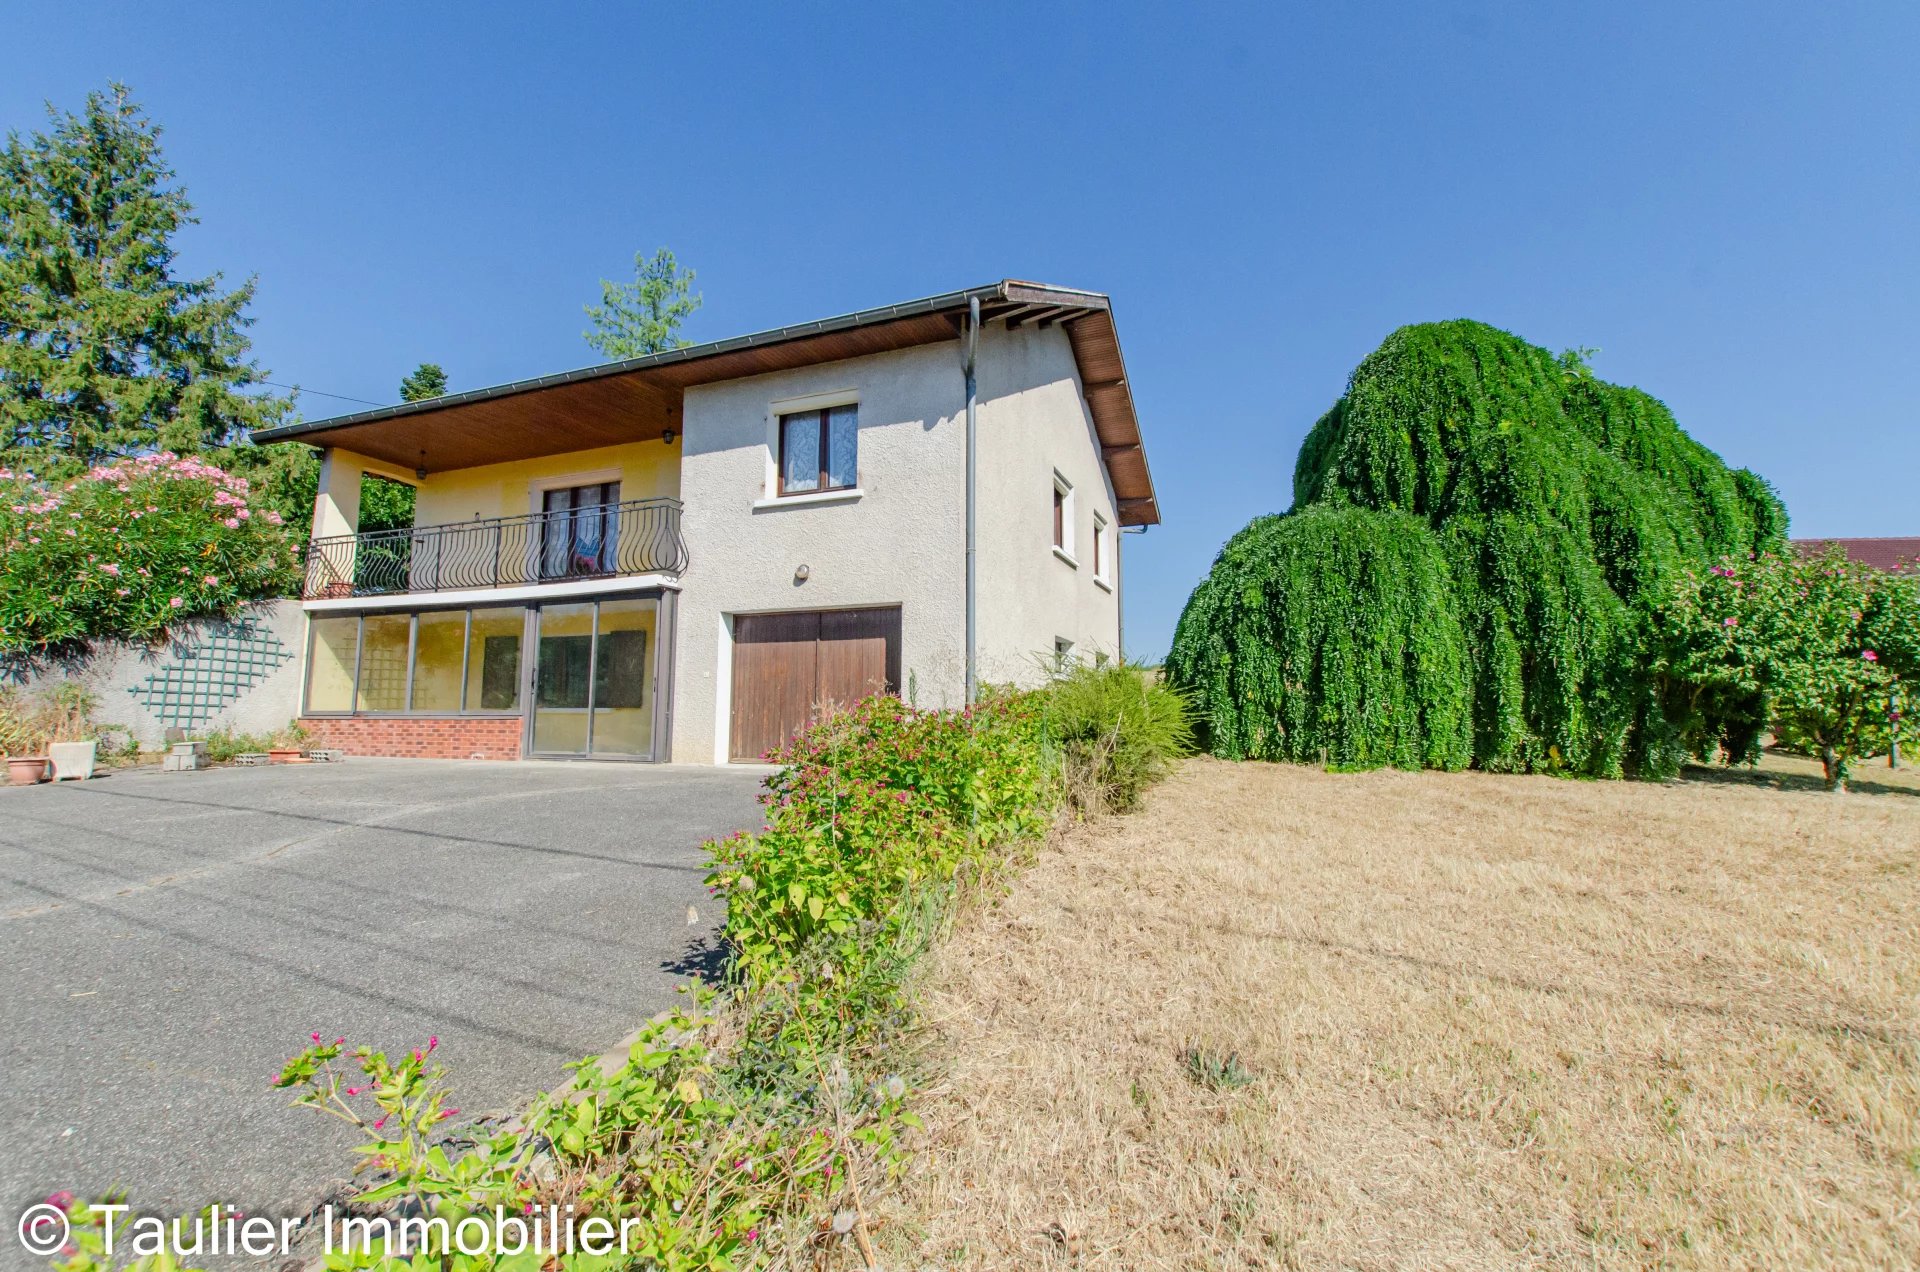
x: 1822, y: 650
x: 126, y: 550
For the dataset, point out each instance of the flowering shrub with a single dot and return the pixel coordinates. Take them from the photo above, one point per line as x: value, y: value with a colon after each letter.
x: 129, y: 548
x: 874, y: 803
x: 1824, y: 650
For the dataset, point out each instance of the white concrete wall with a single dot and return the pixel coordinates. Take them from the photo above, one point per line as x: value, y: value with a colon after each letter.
x: 1033, y: 422
x: 116, y: 670
x: 902, y: 541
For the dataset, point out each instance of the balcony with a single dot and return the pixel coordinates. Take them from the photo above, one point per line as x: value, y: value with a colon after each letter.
x: 641, y: 536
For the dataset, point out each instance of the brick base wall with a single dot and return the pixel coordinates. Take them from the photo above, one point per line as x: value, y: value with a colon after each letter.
x: 420, y: 737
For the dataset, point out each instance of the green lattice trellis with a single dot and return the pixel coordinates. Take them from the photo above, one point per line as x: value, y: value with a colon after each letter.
x: 230, y: 661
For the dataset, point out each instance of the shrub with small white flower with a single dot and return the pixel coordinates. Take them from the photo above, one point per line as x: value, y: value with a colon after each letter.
x: 1821, y: 649
x: 127, y: 549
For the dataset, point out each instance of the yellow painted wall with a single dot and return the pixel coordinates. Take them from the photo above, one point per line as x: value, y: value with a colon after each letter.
x: 646, y: 470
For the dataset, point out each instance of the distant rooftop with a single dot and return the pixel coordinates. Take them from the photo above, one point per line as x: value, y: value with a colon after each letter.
x: 1897, y: 555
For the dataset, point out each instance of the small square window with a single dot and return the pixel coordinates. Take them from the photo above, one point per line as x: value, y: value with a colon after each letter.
x: 820, y: 450
x: 1062, y: 655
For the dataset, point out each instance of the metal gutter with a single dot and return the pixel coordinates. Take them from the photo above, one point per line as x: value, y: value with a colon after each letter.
x: 973, y: 434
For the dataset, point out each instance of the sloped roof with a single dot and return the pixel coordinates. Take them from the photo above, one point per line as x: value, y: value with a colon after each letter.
x: 639, y: 398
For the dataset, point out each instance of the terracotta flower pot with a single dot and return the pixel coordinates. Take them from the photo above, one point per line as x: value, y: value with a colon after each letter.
x: 283, y: 754
x: 25, y: 770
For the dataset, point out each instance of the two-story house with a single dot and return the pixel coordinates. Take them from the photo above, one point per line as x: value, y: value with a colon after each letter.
x: 684, y: 556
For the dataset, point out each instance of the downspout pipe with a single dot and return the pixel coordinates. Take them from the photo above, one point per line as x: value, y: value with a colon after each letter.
x: 973, y: 532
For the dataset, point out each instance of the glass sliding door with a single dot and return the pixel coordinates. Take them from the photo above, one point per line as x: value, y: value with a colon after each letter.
x: 562, y: 679
x: 624, y: 643
x: 593, y: 679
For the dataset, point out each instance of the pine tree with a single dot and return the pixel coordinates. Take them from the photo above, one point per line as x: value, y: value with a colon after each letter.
x: 428, y: 380
x: 103, y: 351
x: 643, y: 316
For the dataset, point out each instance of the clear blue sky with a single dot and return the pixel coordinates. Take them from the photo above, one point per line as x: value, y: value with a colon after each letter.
x: 1724, y: 199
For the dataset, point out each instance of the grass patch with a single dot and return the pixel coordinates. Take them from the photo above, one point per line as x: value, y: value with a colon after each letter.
x: 1496, y: 1021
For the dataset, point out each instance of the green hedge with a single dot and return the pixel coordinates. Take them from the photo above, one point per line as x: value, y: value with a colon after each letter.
x: 1481, y: 533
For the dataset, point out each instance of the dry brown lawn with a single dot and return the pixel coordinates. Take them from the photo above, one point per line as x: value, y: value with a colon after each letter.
x: 1488, y: 1022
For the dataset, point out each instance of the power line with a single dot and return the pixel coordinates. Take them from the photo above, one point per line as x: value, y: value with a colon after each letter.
x: 317, y: 393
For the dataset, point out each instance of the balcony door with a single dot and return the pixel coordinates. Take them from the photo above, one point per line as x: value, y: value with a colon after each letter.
x: 579, y: 530
x: 594, y: 679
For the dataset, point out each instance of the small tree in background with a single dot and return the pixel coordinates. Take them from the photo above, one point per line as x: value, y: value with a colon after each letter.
x: 1830, y: 649
x: 103, y: 351
x: 643, y: 316
x: 427, y: 381
x: 387, y: 504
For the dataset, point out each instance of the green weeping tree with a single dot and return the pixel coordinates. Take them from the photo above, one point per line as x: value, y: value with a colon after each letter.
x: 1481, y: 536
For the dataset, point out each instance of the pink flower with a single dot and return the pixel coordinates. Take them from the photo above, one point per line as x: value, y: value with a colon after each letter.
x: 1731, y: 622
x: 1869, y: 655
x: 233, y: 523
x: 315, y: 1035
x: 382, y: 1122
x: 212, y: 580
x: 177, y: 602
x: 62, y: 1199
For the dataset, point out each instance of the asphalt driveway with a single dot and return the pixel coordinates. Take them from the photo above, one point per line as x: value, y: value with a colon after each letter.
x: 167, y: 940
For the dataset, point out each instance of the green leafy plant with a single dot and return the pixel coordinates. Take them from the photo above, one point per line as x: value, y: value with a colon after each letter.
x: 1118, y: 728
x: 69, y: 712
x: 1214, y: 1069
x: 1480, y: 535
x: 223, y: 744
x: 126, y: 550
x: 62, y: 712
x: 23, y: 723
x: 1825, y: 650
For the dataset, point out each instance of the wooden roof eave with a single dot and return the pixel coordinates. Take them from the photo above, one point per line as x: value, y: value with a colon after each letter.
x: 640, y: 398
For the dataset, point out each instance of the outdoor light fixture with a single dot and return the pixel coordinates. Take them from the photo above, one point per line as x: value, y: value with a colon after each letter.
x: 668, y: 436
x: 802, y: 574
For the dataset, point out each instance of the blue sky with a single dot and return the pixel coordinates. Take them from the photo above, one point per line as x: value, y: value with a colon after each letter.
x: 1720, y: 198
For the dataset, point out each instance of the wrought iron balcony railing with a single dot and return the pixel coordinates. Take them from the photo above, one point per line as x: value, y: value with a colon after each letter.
x: 641, y: 536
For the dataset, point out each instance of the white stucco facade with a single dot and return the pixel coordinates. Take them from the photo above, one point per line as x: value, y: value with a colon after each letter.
x: 901, y: 539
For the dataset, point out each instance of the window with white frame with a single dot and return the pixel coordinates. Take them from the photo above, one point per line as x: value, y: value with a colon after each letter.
x: 819, y: 450
x: 1062, y: 655
x: 1102, y: 550
x: 1063, y: 518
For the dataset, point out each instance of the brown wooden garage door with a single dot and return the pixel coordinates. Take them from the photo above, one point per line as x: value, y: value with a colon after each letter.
x: 786, y: 667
